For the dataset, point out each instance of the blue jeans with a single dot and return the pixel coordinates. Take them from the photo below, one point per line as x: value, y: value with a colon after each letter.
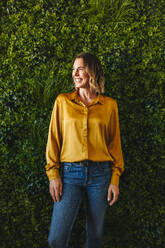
x: 90, y: 181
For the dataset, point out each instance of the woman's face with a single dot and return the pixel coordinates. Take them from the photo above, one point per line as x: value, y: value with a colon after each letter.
x: 79, y: 74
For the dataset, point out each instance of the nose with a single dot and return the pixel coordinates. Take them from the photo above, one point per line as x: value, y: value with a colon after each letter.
x: 76, y: 71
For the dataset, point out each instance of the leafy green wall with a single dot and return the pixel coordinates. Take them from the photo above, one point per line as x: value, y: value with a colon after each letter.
x: 38, y: 40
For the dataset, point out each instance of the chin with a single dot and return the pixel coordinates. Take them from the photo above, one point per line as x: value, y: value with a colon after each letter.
x: 81, y: 85
x: 78, y: 85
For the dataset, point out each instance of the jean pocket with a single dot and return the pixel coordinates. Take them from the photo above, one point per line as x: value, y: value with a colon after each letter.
x: 67, y: 167
x: 105, y: 167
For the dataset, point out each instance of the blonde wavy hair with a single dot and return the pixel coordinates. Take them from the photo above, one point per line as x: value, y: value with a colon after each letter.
x: 94, y: 70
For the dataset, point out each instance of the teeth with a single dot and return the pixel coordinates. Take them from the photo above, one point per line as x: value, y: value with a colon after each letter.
x: 78, y: 80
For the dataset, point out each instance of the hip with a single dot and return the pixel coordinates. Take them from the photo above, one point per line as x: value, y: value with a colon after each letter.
x: 87, y: 172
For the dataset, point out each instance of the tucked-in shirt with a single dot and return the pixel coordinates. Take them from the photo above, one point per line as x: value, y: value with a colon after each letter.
x: 78, y: 132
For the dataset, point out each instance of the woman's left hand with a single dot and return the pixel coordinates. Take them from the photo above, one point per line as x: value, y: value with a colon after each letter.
x: 112, y: 190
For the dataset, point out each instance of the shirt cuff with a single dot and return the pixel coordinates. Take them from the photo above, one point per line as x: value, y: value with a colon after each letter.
x: 114, y: 179
x: 53, y: 174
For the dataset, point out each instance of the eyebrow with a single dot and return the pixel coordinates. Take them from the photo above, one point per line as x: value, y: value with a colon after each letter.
x: 79, y: 67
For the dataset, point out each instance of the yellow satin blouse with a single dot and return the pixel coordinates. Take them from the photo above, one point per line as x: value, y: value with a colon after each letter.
x: 78, y: 133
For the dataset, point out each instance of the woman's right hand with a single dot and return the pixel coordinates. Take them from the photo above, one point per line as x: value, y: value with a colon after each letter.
x: 55, y: 189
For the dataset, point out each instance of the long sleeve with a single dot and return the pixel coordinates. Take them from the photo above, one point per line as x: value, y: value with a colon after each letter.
x: 77, y: 133
x: 115, y: 146
x: 54, y: 144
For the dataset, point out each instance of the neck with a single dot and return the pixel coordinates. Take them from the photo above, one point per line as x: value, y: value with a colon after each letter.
x: 85, y: 93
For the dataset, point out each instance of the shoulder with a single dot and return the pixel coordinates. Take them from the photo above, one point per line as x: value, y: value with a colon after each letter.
x: 110, y: 101
x: 63, y: 96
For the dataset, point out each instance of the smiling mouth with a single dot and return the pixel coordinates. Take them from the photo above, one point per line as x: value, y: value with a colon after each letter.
x: 78, y: 80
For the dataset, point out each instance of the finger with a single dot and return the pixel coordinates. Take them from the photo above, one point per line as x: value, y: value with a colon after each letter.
x: 109, y: 194
x: 52, y: 192
x: 115, y: 196
x: 61, y: 189
x: 57, y: 194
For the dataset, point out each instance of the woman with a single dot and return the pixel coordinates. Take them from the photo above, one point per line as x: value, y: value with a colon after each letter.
x: 84, y: 136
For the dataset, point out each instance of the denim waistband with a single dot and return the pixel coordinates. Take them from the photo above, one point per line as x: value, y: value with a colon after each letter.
x: 90, y: 162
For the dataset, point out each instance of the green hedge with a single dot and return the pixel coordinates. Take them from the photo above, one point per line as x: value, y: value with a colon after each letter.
x: 38, y: 42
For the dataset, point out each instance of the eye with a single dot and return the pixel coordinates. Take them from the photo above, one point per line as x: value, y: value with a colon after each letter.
x: 81, y: 68
x: 78, y: 69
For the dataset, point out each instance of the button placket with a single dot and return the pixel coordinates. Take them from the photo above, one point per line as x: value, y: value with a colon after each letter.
x: 85, y: 131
